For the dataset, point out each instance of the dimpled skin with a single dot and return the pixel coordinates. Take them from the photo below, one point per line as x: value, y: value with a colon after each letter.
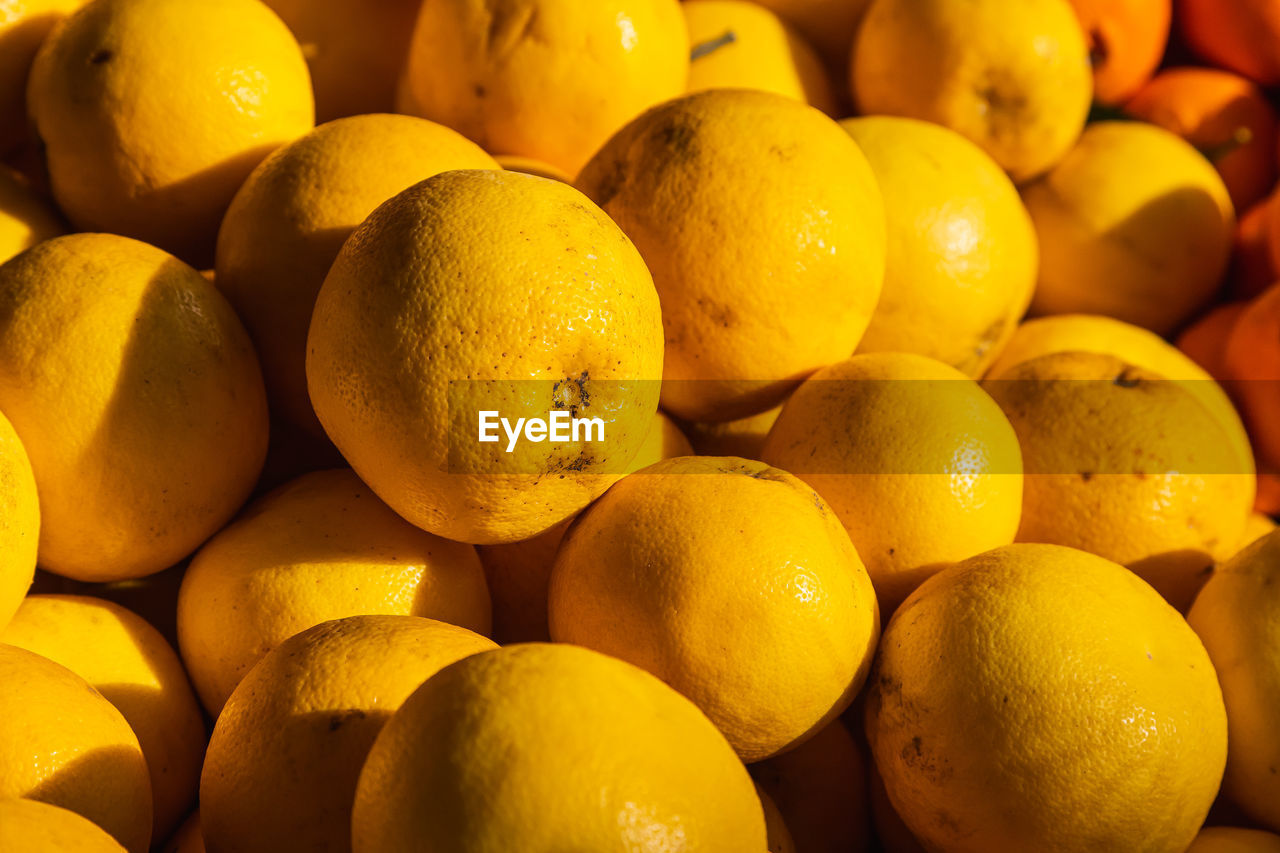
x: 1237, y: 615
x: 916, y: 460
x: 704, y: 185
x: 285, y: 755
x: 1148, y: 479
x: 63, y: 744
x: 1039, y: 698
x: 766, y: 53
x: 472, y: 276
x: 1012, y: 77
x: 318, y: 548
x: 1221, y: 839
x: 25, y: 218
x: 1134, y: 223
x: 354, y: 49
x: 541, y: 748
x: 138, y: 397
x: 135, y: 669
x: 154, y: 111
x: 41, y: 828
x: 962, y: 252
x: 290, y: 218
x: 731, y: 581
x: 19, y: 522
x: 548, y: 79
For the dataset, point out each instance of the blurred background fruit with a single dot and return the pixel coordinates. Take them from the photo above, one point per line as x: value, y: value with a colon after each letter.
x: 25, y: 217
x: 1126, y: 42
x: 1240, y: 36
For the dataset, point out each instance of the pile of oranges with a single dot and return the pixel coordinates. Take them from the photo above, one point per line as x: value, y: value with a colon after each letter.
x: 920, y: 368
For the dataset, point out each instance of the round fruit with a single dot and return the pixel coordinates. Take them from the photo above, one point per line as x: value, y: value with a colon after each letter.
x: 1253, y: 268
x: 820, y: 788
x: 987, y: 741
x: 741, y: 45
x: 549, y: 79
x: 530, y: 166
x: 19, y: 522
x: 1242, y: 35
x: 550, y: 747
x: 1223, y: 115
x: 742, y: 437
x: 1126, y: 464
x: 731, y: 581
x: 1205, y: 340
x: 476, y: 292
x: 1134, y: 224
x: 188, y: 838
x: 829, y: 25
x: 25, y: 218
x: 777, y: 836
x: 137, y: 671
x: 63, y: 744
x: 1236, y: 615
x: 917, y: 462
x: 704, y: 185
x: 1013, y: 78
x: 138, y: 397
x: 321, y: 547
x: 36, y: 827
x: 291, y: 217
x: 1126, y: 43
x: 285, y: 755
x: 153, y: 112
x: 24, y: 24
x: 1221, y: 839
x: 1256, y: 527
x: 1252, y: 361
x: 354, y: 50
x: 962, y: 251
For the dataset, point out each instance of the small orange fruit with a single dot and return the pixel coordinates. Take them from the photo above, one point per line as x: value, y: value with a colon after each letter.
x: 1241, y: 36
x: 1126, y: 42
x: 1253, y: 266
x: 1205, y: 340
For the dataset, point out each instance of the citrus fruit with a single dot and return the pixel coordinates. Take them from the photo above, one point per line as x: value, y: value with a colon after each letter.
x: 962, y: 252
x: 63, y: 744
x: 1205, y: 340
x: 917, y: 462
x: 777, y: 837
x: 704, y: 184
x: 549, y: 79
x: 1253, y: 269
x: 1256, y: 527
x: 1134, y: 224
x: 19, y: 522
x: 153, y: 112
x: 1241, y: 36
x: 1013, y: 78
x: 1222, y: 839
x: 318, y: 548
x: 742, y: 45
x: 1223, y: 115
x: 138, y: 397
x: 540, y: 747
x: 987, y: 740
x: 891, y: 832
x: 742, y: 437
x: 478, y: 291
x: 285, y: 755
x: 731, y: 581
x: 287, y: 222
x: 188, y: 838
x: 24, y: 24
x: 1252, y: 361
x: 1236, y: 614
x: 25, y: 218
x: 530, y: 166
x: 1126, y: 43
x: 1127, y: 464
x: 38, y: 827
x: 137, y: 671
x: 829, y: 25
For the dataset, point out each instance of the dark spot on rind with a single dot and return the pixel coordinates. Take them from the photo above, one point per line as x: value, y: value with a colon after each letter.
x: 1126, y: 379
x: 101, y: 55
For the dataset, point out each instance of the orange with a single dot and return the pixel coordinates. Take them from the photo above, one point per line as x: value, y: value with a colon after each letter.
x: 742, y: 45
x: 138, y: 397
x: 318, y: 548
x: 1236, y: 615
x: 1241, y: 36
x: 829, y: 25
x: 746, y: 315
x: 1221, y: 839
x: 63, y: 744
x: 987, y: 741
x: 1126, y: 42
x: 485, y: 291
x: 1252, y: 361
x: 25, y: 218
x: 1225, y: 116
x: 742, y: 437
x: 548, y: 79
x: 19, y: 522
x: 530, y: 166
x: 135, y: 669
x: 891, y: 832
x: 1134, y: 224
x: 917, y: 461
x: 23, y: 27
x: 731, y: 581
x: 1259, y: 525
x: 38, y: 827
x: 1268, y: 499
x: 1205, y: 340
x: 777, y: 836
x: 1253, y: 267
x: 1127, y: 464
x: 287, y: 222
x: 188, y: 838
x: 542, y: 747
x: 1012, y: 78
x: 820, y: 789
x: 285, y: 755
x: 962, y: 251
x: 354, y: 50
